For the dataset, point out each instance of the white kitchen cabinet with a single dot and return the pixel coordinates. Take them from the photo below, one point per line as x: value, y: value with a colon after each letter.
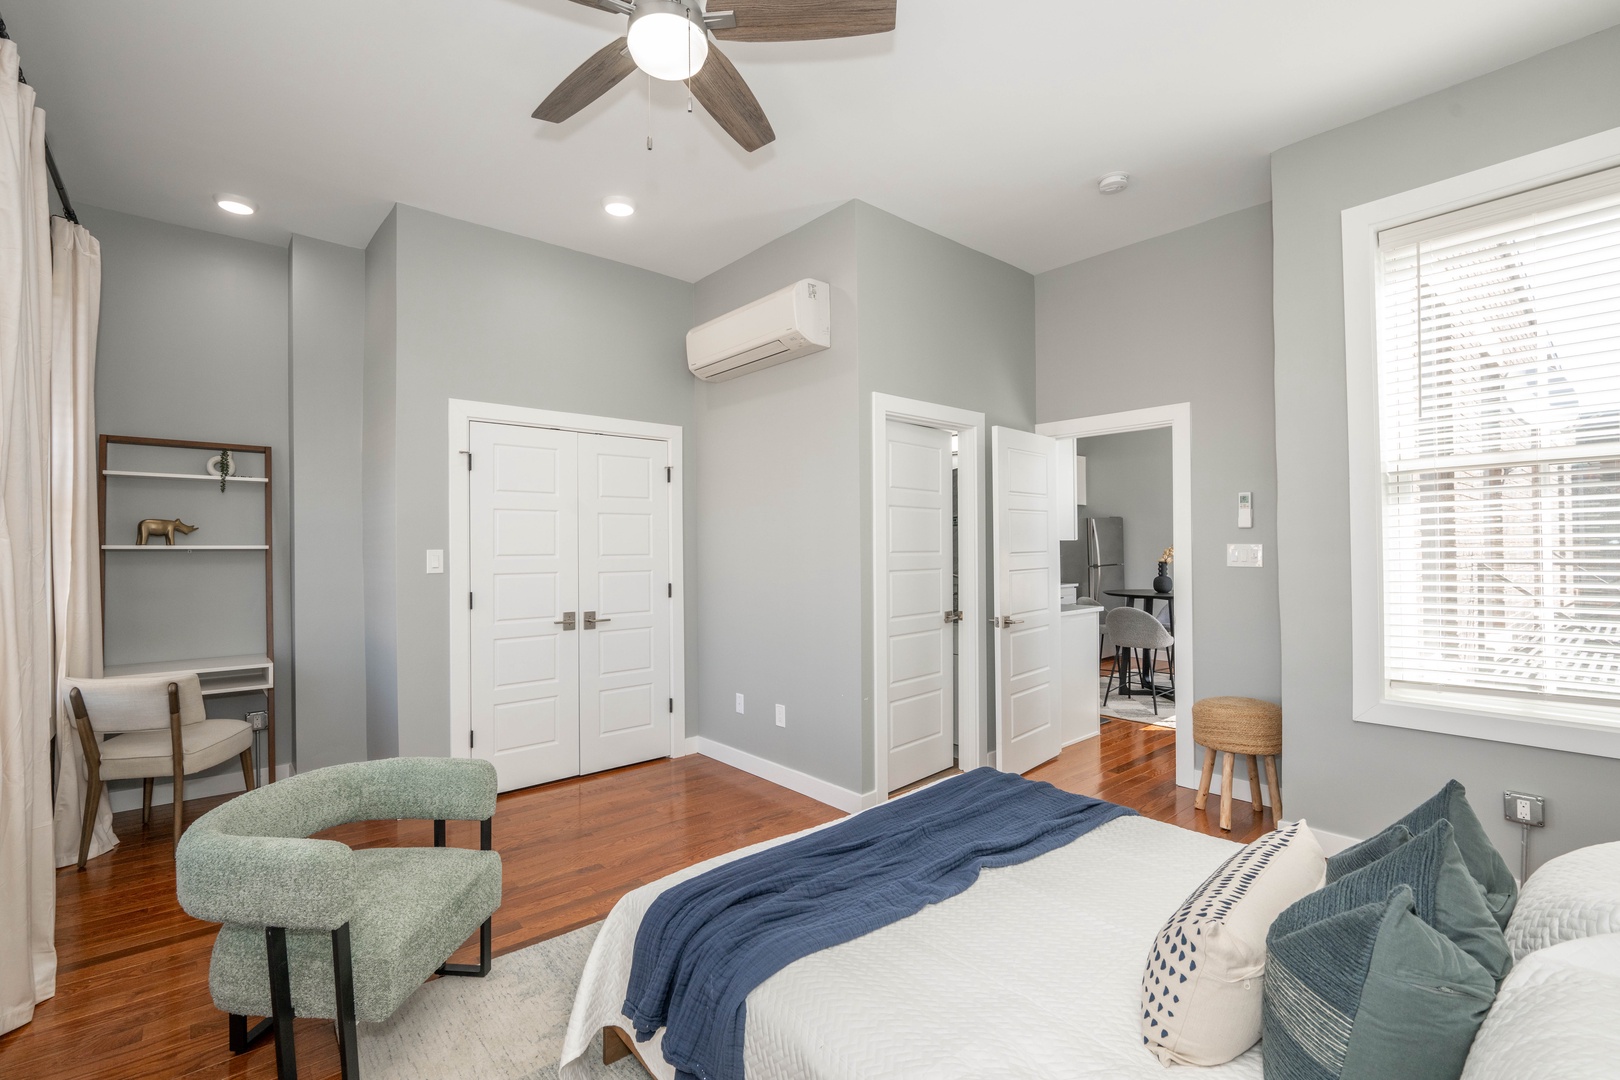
x: 1079, y: 659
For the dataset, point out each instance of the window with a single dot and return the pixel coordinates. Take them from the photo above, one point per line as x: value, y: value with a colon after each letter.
x: 1498, y: 411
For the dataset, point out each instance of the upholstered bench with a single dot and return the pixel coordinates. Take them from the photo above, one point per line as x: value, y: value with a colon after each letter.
x: 313, y: 928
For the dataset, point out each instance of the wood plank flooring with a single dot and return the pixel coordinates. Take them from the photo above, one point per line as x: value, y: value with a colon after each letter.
x: 132, y: 984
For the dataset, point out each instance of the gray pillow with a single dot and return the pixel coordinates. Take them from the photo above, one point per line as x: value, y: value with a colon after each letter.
x: 1444, y: 895
x: 1450, y: 803
x: 1370, y: 992
x: 1367, y: 852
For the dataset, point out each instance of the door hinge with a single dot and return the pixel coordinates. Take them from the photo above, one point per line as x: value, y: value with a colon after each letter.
x: 469, y: 458
x: 469, y: 601
x: 669, y: 474
x: 953, y: 616
x: 672, y: 589
x: 472, y: 740
x: 671, y: 704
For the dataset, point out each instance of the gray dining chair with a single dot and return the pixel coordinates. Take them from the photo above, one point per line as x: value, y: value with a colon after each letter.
x: 1131, y: 633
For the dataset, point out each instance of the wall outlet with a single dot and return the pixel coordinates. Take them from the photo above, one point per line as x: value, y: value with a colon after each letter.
x: 435, y: 560
x: 1524, y: 809
x: 739, y: 705
x: 258, y: 721
x: 781, y: 716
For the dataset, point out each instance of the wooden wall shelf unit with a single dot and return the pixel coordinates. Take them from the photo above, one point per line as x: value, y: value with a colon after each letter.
x: 252, y: 673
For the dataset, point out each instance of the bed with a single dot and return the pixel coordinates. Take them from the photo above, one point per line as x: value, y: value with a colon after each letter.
x: 1034, y: 971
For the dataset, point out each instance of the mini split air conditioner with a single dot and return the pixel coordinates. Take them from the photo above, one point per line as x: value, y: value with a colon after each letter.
x: 783, y: 326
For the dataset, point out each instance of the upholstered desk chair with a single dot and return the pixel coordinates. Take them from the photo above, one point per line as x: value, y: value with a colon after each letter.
x: 313, y: 928
x: 1131, y: 632
x: 141, y: 728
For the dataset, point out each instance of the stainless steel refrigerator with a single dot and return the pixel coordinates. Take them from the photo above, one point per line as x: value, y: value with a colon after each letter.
x: 1105, y: 558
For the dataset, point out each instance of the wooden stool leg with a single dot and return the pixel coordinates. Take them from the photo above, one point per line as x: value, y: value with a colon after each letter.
x: 1254, y: 784
x: 146, y: 801
x: 1202, y: 798
x: 1276, y: 792
x: 1226, y: 791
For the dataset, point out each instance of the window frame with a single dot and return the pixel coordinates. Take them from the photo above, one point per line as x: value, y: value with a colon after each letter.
x: 1551, y: 725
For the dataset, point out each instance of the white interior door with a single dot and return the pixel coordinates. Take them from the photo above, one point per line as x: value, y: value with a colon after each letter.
x: 525, y: 582
x: 1025, y: 544
x: 624, y: 575
x: 920, y: 635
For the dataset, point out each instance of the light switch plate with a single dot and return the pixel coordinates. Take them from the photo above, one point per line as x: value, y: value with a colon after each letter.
x: 739, y: 703
x: 1249, y: 555
x: 435, y: 561
x: 781, y: 716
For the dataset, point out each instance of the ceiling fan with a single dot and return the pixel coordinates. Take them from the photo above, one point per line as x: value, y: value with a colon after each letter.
x: 669, y: 39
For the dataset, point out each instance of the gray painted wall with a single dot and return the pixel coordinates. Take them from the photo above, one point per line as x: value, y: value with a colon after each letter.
x: 1128, y: 476
x: 941, y: 323
x: 779, y: 524
x: 193, y: 345
x: 1186, y: 317
x: 378, y: 499
x: 1348, y: 777
x: 489, y: 316
x: 326, y: 332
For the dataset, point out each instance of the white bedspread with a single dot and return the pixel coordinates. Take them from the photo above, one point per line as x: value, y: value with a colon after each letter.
x: 1035, y: 971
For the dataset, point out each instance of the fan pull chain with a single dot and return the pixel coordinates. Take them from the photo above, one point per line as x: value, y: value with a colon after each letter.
x: 689, y: 67
x: 649, y: 112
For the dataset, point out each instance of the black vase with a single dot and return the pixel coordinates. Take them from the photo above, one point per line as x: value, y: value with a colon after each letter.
x: 1162, y: 583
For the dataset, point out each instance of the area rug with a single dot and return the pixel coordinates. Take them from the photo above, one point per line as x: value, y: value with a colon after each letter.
x: 1136, y: 709
x: 508, y: 1025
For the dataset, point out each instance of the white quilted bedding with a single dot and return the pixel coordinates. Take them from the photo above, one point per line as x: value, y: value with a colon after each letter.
x: 1035, y: 971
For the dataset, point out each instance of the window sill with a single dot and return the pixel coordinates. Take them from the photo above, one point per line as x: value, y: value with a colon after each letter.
x: 1505, y: 723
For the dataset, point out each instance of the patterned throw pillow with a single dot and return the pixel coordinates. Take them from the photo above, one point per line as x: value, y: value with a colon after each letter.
x: 1368, y: 992
x: 1201, y: 996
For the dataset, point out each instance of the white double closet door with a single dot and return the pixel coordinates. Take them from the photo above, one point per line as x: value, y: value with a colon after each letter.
x: 570, y: 575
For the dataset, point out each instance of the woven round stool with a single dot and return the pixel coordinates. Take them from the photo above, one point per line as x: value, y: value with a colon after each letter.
x: 1238, y: 725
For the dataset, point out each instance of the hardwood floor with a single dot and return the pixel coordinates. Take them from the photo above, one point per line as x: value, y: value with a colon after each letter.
x: 132, y: 982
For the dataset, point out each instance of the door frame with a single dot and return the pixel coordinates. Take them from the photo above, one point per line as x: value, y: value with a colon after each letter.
x: 1178, y: 418
x: 464, y: 413
x: 970, y: 448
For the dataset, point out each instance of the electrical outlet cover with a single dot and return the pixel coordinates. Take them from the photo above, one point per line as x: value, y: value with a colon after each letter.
x: 739, y: 704
x: 781, y: 716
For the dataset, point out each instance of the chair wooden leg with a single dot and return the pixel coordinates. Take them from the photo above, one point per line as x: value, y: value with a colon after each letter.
x: 179, y: 805
x: 1254, y: 785
x: 92, y: 803
x: 247, y: 770
x: 1226, y: 791
x: 1202, y: 798
x: 1276, y: 792
x: 146, y: 801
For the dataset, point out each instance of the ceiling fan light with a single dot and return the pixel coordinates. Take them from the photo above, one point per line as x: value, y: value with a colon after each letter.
x: 667, y: 39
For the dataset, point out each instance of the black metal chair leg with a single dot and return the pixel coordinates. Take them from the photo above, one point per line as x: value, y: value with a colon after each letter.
x: 243, y: 1037
x: 485, y: 955
x: 438, y: 832
x: 343, y: 985
x: 1153, y: 689
x: 281, y: 1007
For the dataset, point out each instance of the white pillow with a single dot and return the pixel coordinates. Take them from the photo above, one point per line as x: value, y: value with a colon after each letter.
x: 1574, y: 896
x: 1201, y: 1002
x: 1554, y: 1018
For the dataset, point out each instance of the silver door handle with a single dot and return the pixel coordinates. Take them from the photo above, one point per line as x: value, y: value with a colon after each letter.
x: 1001, y: 622
x: 566, y: 622
x: 592, y: 622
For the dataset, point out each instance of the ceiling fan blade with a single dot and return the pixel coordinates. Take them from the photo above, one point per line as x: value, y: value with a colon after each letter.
x: 721, y: 90
x: 803, y: 20
x: 617, y: 7
x: 595, y: 77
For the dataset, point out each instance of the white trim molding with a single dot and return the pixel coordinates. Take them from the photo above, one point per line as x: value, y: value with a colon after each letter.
x: 970, y: 643
x: 823, y: 791
x: 1360, y: 226
x: 462, y: 415
x: 1178, y: 418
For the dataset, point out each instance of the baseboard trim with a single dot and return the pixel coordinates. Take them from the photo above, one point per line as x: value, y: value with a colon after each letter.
x: 223, y: 780
x: 822, y: 791
x: 1332, y: 842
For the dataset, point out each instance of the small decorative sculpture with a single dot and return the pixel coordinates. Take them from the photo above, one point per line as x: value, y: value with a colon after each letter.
x: 164, y: 527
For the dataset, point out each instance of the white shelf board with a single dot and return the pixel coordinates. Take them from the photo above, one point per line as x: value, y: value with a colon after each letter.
x: 202, y: 665
x: 185, y: 547
x: 188, y: 476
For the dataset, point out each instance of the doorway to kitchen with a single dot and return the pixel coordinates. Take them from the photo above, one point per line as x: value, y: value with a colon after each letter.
x: 1112, y: 572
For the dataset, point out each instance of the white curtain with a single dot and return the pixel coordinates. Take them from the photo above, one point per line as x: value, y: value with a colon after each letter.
x: 27, y: 871
x: 75, y: 316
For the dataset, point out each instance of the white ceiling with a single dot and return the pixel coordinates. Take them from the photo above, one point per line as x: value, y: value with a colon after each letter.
x: 988, y: 122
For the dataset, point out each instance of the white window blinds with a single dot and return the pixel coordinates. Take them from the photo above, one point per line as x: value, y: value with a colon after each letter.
x: 1499, y: 409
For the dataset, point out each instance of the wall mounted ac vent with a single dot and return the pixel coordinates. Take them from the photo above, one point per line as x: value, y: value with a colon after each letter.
x: 783, y: 326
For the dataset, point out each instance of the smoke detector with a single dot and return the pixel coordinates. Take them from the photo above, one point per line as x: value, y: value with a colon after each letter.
x: 1113, y: 183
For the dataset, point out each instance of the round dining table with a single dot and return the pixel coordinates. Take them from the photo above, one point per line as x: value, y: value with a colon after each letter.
x: 1148, y: 596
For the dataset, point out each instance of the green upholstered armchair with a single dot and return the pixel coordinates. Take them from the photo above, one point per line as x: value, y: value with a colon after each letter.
x: 313, y: 928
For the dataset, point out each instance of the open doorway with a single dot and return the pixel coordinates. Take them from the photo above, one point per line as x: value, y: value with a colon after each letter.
x: 1114, y: 562
x: 927, y: 645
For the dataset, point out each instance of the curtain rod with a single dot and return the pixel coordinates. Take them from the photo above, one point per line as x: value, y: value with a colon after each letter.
x: 50, y: 162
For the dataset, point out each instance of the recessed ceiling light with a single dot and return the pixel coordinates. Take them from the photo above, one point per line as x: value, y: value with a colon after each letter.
x: 1113, y: 183
x: 618, y: 205
x: 234, y: 204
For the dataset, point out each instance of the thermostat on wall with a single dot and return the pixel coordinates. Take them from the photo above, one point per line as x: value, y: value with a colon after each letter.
x: 1245, y: 509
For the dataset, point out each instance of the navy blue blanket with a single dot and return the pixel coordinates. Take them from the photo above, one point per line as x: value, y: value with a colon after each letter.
x: 707, y: 942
